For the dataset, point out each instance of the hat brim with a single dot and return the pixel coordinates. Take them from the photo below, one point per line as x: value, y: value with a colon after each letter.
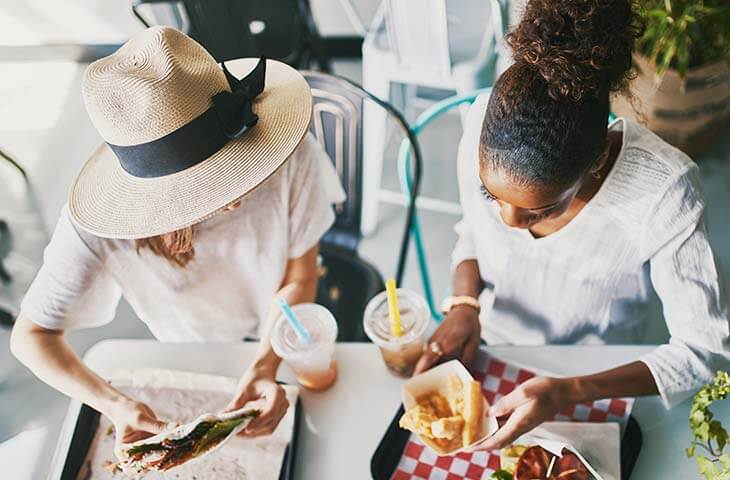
x: 108, y: 202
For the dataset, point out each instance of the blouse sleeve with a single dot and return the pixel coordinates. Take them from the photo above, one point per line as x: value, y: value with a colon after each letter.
x: 687, y: 279
x: 314, y: 187
x: 73, y: 289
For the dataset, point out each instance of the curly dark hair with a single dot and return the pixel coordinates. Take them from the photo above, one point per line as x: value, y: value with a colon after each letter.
x: 546, y: 121
x: 580, y: 47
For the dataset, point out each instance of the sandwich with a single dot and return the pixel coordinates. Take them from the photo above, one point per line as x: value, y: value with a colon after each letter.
x: 449, y: 421
x: 183, y: 443
x: 522, y: 462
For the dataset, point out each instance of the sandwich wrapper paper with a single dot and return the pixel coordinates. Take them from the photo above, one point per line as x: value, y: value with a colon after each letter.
x: 174, y: 432
x: 180, y: 397
x: 434, y: 380
x: 597, y: 445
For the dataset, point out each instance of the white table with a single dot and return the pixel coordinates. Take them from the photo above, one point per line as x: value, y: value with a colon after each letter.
x: 341, y: 427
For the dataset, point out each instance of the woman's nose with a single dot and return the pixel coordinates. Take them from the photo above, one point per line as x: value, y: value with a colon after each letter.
x: 514, y: 217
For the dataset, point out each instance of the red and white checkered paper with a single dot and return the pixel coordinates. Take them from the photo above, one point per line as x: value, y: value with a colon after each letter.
x: 498, y: 379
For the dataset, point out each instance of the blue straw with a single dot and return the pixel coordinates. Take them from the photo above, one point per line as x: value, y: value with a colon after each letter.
x: 302, y: 332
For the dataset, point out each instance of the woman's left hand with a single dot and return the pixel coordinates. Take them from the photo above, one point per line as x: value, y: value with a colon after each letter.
x: 255, y: 385
x: 531, y: 403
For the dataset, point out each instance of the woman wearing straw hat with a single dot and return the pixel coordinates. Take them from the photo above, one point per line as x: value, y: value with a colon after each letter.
x: 577, y: 226
x: 207, y: 200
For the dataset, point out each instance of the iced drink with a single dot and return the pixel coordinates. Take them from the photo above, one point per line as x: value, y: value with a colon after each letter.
x: 400, y: 354
x: 313, y: 363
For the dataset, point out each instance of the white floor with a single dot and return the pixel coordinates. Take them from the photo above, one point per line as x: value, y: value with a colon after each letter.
x: 44, y: 126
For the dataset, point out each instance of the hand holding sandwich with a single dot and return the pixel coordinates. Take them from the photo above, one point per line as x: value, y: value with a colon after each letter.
x: 134, y: 421
x: 259, y: 382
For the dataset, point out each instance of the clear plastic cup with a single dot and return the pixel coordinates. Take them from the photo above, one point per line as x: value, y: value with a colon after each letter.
x: 313, y: 363
x: 400, y: 354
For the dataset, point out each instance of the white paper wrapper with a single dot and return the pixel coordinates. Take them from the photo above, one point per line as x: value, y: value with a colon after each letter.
x: 597, y: 445
x: 180, y: 397
x: 179, y: 432
x: 435, y: 380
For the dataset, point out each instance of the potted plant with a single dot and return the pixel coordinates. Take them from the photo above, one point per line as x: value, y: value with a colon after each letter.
x: 682, y: 89
x: 713, y: 462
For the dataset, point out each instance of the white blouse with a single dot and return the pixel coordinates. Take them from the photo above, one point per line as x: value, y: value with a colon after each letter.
x: 224, y: 293
x: 642, y: 235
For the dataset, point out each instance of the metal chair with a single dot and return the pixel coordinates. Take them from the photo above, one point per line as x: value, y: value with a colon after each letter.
x: 347, y: 282
x: 279, y: 29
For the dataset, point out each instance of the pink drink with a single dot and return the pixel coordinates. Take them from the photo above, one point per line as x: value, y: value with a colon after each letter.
x: 313, y: 363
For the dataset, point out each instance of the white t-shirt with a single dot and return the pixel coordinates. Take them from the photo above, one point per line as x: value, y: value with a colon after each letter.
x: 224, y: 293
x: 642, y: 234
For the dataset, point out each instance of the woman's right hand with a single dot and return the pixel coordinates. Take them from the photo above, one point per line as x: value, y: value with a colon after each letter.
x: 135, y: 421
x: 457, y: 336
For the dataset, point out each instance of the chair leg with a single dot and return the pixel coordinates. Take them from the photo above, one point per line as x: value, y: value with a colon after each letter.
x: 375, y: 120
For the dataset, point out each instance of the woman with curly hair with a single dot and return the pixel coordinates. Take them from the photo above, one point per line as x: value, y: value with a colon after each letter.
x: 571, y: 227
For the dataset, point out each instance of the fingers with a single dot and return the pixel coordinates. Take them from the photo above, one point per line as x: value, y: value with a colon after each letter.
x: 153, y: 425
x: 428, y: 359
x: 136, y: 436
x: 147, y: 421
x: 239, y: 401
x: 470, y: 351
x: 515, y: 426
x: 508, y: 403
x: 273, y: 411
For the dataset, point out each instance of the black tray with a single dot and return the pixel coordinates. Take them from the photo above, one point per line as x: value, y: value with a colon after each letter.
x: 390, y: 450
x: 88, y: 421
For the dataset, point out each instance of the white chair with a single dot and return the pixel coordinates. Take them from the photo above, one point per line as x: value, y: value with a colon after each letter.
x: 445, y: 44
x: 22, y: 237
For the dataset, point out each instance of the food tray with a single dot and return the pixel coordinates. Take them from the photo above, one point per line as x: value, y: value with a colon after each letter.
x: 88, y: 421
x: 390, y: 450
x: 401, y: 456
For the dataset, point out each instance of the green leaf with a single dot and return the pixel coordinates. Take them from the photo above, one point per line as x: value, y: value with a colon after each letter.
x: 690, y: 451
x: 707, y: 469
x: 703, y: 432
x: 703, y: 26
x: 718, y: 433
x: 501, y: 475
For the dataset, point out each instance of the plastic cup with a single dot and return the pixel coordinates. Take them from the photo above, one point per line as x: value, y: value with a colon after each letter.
x: 400, y: 354
x: 313, y: 363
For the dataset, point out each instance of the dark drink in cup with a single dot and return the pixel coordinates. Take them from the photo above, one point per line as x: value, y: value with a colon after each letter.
x: 400, y: 353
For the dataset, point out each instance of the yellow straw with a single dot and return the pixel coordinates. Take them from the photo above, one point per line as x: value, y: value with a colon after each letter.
x: 395, y: 326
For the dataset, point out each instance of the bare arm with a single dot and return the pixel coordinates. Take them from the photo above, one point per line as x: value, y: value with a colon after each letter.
x: 47, y: 354
x: 299, y: 285
x: 540, y: 399
x: 467, y: 279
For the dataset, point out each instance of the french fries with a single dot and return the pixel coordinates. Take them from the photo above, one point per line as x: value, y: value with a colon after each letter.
x: 452, y: 421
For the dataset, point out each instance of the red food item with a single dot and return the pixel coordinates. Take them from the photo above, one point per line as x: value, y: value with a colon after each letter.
x: 533, y: 464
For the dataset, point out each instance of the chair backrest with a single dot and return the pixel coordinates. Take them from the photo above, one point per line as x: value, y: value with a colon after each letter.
x: 423, y: 32
x: 418, y: 33
x: 337, y: 125
x: 228, y: 29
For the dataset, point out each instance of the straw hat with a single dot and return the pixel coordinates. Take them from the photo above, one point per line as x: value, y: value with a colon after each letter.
x: 184, y: 138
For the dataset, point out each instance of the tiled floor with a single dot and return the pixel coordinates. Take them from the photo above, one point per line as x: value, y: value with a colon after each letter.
x: 44, y: 125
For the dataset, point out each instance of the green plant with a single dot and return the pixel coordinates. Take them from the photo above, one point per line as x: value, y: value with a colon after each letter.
x: 709, y: 433
x: 682, y: 34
